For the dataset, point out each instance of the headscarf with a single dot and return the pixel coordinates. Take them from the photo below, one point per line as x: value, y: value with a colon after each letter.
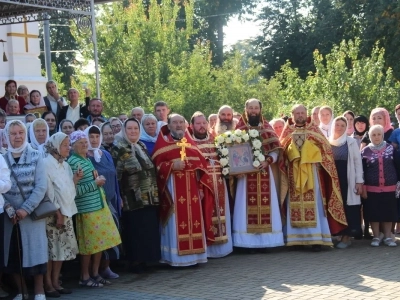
x: 54, y: 143
x: 349, y: 130
x: 343, y: 138
x: 76, y: 136
x: 32, y: 106
x: 96, y: 151
x: 361, y: 119
x: 35, y: 144
x: 144, y: 136
x: 135, y: 148
x: 326, y: 128
x: 7, y: 134
x: 386, y: 116
x: 62, y: 123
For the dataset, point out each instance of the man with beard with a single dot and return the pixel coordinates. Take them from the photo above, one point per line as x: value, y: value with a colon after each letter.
x: 182, y: 185
x: 220, y: 224
x: 95, y: 110
x: 256, y: 219
x: 314, y: 205
x: 225, y: 120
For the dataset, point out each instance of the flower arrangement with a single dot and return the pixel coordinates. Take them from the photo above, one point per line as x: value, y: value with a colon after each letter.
x: 238, y: 136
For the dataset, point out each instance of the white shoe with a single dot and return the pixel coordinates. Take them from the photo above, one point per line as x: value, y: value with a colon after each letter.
x: 40, y: 297
x: 389, y: 242
x: 375, y: 242
x: 19, y: 297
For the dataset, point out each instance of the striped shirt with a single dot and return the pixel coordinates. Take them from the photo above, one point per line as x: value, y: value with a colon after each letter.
x: 88, y: 195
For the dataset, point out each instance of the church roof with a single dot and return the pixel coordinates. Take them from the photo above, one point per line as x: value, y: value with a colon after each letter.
x: 18, y: 11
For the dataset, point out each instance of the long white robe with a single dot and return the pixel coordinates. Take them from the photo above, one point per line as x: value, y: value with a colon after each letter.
x: 241, y: 238
x: 169, y: 241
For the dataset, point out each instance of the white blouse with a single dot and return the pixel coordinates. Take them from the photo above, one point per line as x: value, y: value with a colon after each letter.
x: 60, y: 186
x: 5, y: 181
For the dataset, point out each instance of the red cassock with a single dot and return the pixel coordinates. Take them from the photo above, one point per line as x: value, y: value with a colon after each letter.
x: 183, y: 199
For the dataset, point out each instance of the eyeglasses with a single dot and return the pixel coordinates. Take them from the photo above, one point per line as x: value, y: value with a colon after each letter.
x: 116, y: 126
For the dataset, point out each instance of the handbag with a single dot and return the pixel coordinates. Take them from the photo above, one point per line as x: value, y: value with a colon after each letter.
x: 45, y: 209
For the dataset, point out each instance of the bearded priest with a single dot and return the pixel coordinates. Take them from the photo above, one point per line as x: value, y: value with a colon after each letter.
x: 256, y: 219
x: 220, y: 224
x: 314, y: 205
x: 183, y: 181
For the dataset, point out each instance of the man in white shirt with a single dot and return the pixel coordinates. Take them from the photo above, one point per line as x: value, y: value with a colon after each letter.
x: 74, y: 111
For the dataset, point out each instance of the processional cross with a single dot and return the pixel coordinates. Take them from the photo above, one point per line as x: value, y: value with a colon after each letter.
x: 183, y: 144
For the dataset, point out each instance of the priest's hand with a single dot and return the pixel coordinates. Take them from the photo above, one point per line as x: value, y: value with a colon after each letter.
x: 201, y: 194
x: 263, y: 166
x: 178, y: 165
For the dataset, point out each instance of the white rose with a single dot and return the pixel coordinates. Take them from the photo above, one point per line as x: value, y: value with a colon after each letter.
x: 220, y: 139
x: 256, y: 153
x: 224, y: 151
x: 223, y: 162
x: 245, y: 137
x: 253, y: 133
x: 238, y: 139
x: 228, y: 140
x: 261, y: 157
x: 256, y: 164
x: 257, y: 144
x: 238, y: 132
x: 225, y: 171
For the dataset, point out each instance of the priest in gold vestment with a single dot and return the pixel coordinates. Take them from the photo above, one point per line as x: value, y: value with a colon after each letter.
x: 314, y: 208
x: 220, y: 223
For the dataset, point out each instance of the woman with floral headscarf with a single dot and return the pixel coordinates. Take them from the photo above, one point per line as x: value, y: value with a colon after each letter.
x: 28, y: 167
x: 137, y: 181
x: 378, y: 116
x: 61, y: 191
x: 104, y: 165
x: 95, y: 227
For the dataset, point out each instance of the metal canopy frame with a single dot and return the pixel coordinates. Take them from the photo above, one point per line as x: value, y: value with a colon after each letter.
x: 21, y: 11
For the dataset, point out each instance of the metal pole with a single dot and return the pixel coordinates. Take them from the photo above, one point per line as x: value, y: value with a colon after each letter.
x: 94, y: 40
x: 47, y: 50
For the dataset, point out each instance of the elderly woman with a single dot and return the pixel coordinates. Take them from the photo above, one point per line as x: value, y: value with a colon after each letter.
x: 60, y: 230
x: 361, y: 126
x: 325, y: 116
x: 116, y: 124
x: 137, y: 180
x: 349, y: 115
x: 66, y: 126
x: 350, y: 172
x: 107, y: 135
x: 378, y: 116
x: 95, y: 227
x: 51, y: 121
x: 23, y: 91
x: 5, y: 185
x: 149, y: 131
x: 103, y: 163
x: 27, y: 165
x: 380, y: 166
x: 39, y: 135
x: 277, y: 125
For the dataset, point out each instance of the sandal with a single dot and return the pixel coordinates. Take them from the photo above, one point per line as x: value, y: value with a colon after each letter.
x: 90, y: 283
x: 389, y: 242
x: 101, y: 280
x: 375, y: 242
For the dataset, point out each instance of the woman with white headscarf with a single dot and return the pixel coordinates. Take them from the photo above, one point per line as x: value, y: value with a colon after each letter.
x: 39, y: 135
x: 104, y: 165
x: 60, y: 231
x: 28, y: 167
x: 149, y: 129
x: 325, y: 116
x: 137, y: 179
x: 350, y: 172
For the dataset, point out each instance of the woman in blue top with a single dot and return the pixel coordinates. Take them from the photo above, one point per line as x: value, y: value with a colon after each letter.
x: 149, y: 129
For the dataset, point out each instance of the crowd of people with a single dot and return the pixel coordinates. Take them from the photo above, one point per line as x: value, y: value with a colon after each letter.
x: 151, y: 186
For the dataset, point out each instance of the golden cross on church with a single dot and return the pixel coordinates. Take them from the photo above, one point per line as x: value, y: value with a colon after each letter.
x: 183, y: 144
x: 24, y: 35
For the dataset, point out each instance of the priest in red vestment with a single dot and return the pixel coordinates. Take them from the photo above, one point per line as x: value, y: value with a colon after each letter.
x: 183, y: 181
x: 314, y: 205
x: 256, y: 218
x: 220, y: 223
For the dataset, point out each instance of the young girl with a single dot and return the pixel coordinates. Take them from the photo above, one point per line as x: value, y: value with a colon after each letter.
x: 36, y: 104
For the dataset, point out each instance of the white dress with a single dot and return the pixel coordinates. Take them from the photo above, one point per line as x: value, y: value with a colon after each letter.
x: 169, y: 242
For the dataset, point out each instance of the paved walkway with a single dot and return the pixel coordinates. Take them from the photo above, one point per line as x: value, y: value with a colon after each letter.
x: 360, y: 272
